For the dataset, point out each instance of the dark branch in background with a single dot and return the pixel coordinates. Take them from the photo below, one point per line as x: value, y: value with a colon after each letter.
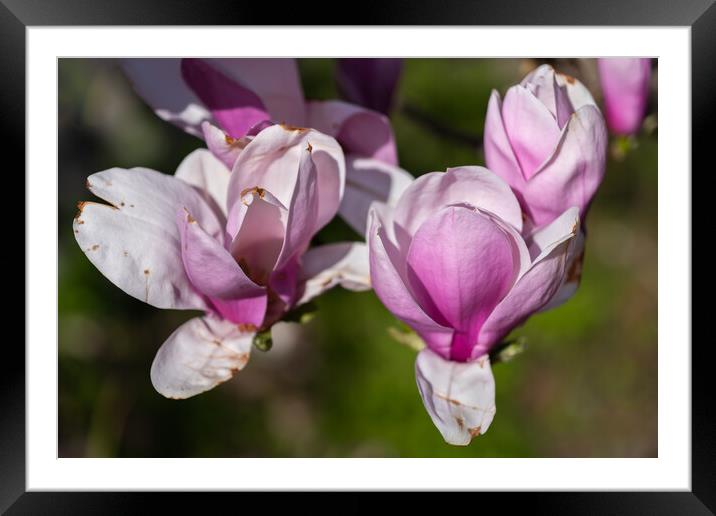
x: 440, y: 129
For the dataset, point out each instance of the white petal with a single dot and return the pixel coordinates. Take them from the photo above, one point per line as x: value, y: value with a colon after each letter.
x: 200, y: 354
x: 203, y: 170
x: 573, y: 274
x: 135, y: 242
x: 459, y: 396
x: 577, y: 92
x: 545, y: 239
x: 223, y: 146
x: 369, y: 180
x: 159, y: 82
x: 326, y: 266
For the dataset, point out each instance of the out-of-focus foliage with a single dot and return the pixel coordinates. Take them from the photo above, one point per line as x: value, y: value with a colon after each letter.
x: 340, y: 385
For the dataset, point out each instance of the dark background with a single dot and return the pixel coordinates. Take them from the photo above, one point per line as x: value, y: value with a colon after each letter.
x: 340, y: 386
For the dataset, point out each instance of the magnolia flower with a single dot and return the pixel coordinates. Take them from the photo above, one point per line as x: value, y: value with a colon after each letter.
x: 449, y: 260
x: 223, y: 100
x: 548, y: 140
x: 369, y: 82
x: 233, y: 244
x: 625, y: 85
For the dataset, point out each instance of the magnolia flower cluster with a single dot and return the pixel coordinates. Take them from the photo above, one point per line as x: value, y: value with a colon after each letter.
x: 462, y: 256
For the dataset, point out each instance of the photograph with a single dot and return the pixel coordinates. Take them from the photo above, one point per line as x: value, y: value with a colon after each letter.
x: 357, y: 257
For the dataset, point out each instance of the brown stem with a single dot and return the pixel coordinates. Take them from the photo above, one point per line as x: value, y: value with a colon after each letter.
x: 440, y: 129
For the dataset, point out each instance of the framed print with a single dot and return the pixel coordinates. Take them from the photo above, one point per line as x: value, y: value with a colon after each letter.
x: 426, y: 251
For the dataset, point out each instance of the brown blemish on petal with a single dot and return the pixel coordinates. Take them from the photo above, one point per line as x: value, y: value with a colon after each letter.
x: 310, y: 147
x: 575, y: 269
x: 242, y: 360
x: 460, y: 422
x: 125, y: 254
x: 568, y: 78
x: 189, y: 218
x: 289, y: 127
x: 455, y: 402
x: 121, y: 203
x: 246, y: 327
x: 80, y: 206
x: 146, y: 285
x: 95, y: 247
x: 256, y: 189
x: 474, y: 432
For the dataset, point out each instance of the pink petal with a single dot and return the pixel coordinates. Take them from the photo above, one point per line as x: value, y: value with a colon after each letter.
x: 531, y: 128
x: 276, y: 81
x: 499, y: 156
x: 135, y: 242
x: 301, y: 224
x: 542, y: 83
x: 258, y: 226
x: 459, y: 397
x: 272, y: 161
x: 460, y: 266
x: 474, y: 185
x: 387, y: 273
x: 537, y: 286
x: 235, y: 107
x: 284, y: 290
x: 202, y: 353
x: 573, y: 173
x: 359, y: 131
x: 215, y: 273
x: 368, y: 181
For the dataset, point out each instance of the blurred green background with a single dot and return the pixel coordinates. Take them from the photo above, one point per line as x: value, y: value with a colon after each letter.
x: 340, y: 386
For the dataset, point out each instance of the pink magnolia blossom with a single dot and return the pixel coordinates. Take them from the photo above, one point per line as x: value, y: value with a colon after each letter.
x: 547, y: 139
x: 369, y: 82
x: 234, y: 244
x: 450, y: 261
x: 222, y: 100
x: 625, y: 85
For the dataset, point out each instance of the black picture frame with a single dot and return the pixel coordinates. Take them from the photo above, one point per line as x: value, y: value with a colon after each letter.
x: 700, y: 15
